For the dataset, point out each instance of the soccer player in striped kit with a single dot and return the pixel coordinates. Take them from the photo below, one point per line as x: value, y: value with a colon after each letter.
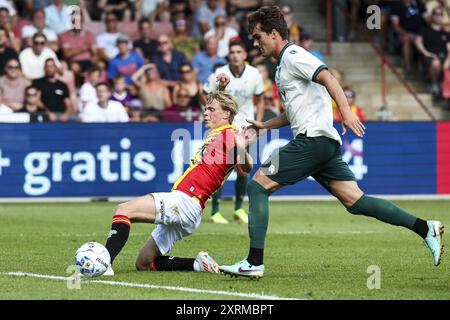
x: 177, y: 214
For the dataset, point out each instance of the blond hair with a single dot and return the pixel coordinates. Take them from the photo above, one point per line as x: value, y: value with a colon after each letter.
x: 226, y: 102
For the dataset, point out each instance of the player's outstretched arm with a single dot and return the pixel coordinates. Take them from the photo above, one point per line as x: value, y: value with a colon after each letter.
x: 349, y: 119
x: 274, y: 123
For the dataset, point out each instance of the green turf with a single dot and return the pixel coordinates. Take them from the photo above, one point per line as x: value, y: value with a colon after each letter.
x: 314, y: 250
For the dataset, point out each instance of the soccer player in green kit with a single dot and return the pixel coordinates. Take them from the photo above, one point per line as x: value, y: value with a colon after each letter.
x: 305, y: 87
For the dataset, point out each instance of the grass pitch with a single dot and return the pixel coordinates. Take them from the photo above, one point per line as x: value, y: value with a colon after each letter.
x: 314, y: 250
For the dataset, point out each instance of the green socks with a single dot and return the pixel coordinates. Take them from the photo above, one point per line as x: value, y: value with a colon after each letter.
x: 241, y: 189
x: 258, y: 218
x: 383, y: 210
x: 215, y: 201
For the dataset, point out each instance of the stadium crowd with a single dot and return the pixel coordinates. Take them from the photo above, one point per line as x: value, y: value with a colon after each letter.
x: 121, y: 61
x: 416, y: 30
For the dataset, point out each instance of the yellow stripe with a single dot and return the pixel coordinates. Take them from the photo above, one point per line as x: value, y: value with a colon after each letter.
x: 228, y: 126
x: 121, y: 220
x: 175, y: 185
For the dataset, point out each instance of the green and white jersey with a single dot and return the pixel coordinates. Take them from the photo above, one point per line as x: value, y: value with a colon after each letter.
x: 307, y: 103
x: 243, y: 87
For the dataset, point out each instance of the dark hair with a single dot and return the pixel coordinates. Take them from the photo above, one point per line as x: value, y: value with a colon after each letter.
x: 94, y: 69
x: 117, y: 78
x: 184, y: 64
x: 35, y: 12
x: 39, y: 35
x: 50, y: 60
x: 142, y: 21
x: 237, y: 42
x: 13, y: 59
x: 269, y: 18
x: 103, y: 84
x: 31, y: 86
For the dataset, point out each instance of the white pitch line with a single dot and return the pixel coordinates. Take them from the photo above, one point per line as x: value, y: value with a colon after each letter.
x: 151, y: 286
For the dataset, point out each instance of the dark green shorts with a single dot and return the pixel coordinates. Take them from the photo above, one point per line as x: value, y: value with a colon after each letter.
x: 319, y: 157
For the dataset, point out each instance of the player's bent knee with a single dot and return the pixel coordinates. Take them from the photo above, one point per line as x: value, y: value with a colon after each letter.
x: 122, y: 209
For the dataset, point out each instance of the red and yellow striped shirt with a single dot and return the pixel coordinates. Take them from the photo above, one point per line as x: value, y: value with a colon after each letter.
x: 210, y: 166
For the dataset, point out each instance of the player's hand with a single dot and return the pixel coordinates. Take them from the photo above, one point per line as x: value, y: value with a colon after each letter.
x: 241, y: 139
x: 222, y: 81
x: 257, y: 125
x: 350, y: 120
x: 254, y: 130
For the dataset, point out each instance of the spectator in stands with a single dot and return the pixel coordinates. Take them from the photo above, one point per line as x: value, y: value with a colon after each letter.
x: 205, y: 15
x: 241, y: 7
x: 223, y: 33
x: 107, y: 41
x: 120, y: 7
x: 33, y: 107
x: 126, y: 63
x: 183, y: 41
x: 9, y: 6
x: 94, y: 12
x: 407, y: 20
x: 6, y: 22
x: 38, y: 25
x: 144, y: 8
x: 154, y: 94
x: 4, y: 109
x: 386, y: 33
x: 41, y: 4
x: 67, y: 76
x: 58, y: 16
x: 294, y: 28
x: 182, y: 110
x: 181, y: 7
x: 84, y: 11
x: 13, y: 84
x: 87, y: 92
x: 270, y: 63
x: 135, y: 110
x: 120, y: 92
x: 78, y: 45
x: 33, y: 59
x: 105, y: 110
x: 306, y: 42
x: 247, y: 38
x: 24, y: 14
x: 444, y: 5
x: 6, y: 53
x: 190, y: 83
x: 339, y: 75
x: 54, y: 93
x: 351, y: 99
x: 145, y: 45
x: 204, y: 61
x: 154, y: 12
x: 270, y: 89
x: 168, y: 61
x: 162, y: 13
x: 270, y: 108
x: 102, y: 66
x: 433, y: 44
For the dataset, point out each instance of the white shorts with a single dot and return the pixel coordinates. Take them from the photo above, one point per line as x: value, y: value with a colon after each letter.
x: 177, y: 216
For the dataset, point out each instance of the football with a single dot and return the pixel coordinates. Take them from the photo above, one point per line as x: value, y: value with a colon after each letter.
x: 92, y: 259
